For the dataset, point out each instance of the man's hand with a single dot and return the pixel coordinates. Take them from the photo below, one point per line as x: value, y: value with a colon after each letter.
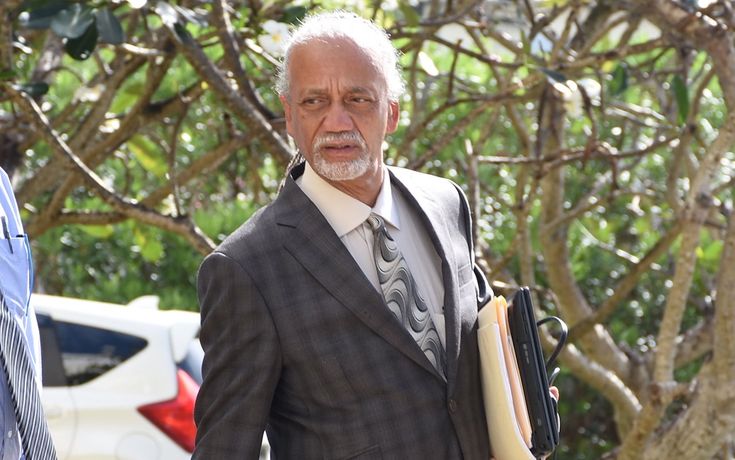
x: 555, y: 395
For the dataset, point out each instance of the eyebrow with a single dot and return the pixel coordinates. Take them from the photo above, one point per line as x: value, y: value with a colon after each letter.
x: 313, y: 92
x: 350, y: 90
x: 360, y: 89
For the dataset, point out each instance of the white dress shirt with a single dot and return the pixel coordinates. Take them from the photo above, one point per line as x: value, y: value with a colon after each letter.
x: 347, y: 216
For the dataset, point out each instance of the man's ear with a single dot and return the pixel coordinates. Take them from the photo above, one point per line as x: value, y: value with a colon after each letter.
x: 286, y: 111
x: 394, y: 113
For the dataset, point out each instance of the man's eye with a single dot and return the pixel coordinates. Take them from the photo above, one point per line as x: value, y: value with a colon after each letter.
x: 312, y: 102
x: 360, y: 100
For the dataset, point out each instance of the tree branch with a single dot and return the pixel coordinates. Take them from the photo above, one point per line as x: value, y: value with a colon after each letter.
x: 7, y: 10
x: 723, y: 347
x: 222, y: 24
x: 202, y: 166
x: 242, y: 108
x: 606, y: 382
x: 660, y: 396
x: 695, y: 212
x: 180, y: 225
x: 554, y: 244
x: 626, y: 285
x: 51, y: 173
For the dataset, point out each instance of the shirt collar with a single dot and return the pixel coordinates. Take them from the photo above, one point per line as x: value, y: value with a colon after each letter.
x: 385, y: 206
x: 343, y: 212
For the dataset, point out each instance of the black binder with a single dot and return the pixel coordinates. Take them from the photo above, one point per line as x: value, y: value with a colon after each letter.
x: 541, y: 406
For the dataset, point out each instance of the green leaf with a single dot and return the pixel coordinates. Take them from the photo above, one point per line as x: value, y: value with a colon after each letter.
x: 554, y: 75
x: 409, y: 14
x: 39, y: 14
x: 711, y: 252
x: 526, y: 44
x: 619, y: 82
x: 81, y: 48
x: 145, y: 151
x: 134, y: 88
x: 7, y: 74
x: 33, y: 89
x: 191, y: 16
x: 152, y: 250
x: 73, y: 21
x: 182, y: 33
x: 293, y: 15
x: 682, y: 97
x: 98, y: 231
x: 109, y: 28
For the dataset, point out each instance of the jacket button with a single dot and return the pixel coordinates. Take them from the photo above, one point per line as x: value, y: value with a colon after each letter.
x: 452, y: 405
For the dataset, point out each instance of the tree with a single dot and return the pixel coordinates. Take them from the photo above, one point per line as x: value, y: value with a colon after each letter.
x: 593, y: 139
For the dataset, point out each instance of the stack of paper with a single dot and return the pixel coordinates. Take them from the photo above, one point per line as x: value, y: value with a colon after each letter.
x: 508, y: 423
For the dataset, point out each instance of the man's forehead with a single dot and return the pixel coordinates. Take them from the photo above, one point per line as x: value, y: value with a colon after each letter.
x: 332, y: 43
x: 331, y: 50
x: 320, y: 65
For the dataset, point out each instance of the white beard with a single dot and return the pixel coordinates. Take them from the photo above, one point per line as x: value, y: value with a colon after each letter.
x: 341, y: 170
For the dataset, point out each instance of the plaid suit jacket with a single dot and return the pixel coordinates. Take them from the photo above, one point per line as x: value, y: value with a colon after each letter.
x: 298, y: 342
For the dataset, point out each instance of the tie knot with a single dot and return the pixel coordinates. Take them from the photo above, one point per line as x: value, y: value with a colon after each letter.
x: 376, y: 222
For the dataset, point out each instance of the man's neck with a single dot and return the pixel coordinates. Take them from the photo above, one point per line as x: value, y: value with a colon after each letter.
x: 364, y: 188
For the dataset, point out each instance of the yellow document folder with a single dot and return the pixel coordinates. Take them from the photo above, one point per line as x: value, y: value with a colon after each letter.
x: 508, y: 422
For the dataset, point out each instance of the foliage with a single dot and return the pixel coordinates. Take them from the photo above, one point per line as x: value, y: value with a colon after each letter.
x: 593, y: 139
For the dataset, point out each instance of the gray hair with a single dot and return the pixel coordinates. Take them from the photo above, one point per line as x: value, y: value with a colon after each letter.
x: 364, y: 33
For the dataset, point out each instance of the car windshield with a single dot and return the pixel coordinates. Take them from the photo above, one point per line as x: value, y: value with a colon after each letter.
x: 192, y: 362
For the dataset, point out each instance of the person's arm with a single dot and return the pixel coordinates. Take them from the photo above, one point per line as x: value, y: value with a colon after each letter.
x: 33, y: 336
x: 241, y: 364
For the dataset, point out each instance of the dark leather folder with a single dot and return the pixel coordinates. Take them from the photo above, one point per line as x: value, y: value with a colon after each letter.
x: 542, y: 408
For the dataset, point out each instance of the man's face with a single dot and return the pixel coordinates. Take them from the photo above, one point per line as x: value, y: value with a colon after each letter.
x: 337, y: 110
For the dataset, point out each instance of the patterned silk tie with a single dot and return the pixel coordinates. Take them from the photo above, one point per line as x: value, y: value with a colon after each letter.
x: 34, y: 434
x: 399, y: 291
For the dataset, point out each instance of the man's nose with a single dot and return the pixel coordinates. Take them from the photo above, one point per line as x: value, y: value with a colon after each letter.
x: 338, y: 119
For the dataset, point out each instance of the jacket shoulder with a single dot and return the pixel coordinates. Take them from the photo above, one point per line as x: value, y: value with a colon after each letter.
x: 405, y: 174
x: 256, y: 232
x: 444, y: 189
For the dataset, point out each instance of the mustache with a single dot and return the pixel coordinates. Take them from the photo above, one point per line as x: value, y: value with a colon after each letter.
x: 350, y: 137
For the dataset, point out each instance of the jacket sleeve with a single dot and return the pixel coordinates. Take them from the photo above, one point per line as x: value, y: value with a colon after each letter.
x: 242, y: 362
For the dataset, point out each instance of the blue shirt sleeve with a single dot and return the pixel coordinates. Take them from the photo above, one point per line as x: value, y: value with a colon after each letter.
x: 16, y: 284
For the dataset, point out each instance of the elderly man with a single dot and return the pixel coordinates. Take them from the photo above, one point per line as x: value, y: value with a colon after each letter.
x: 341, y: 319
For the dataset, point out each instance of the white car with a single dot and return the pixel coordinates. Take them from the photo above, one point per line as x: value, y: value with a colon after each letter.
x: 119, y: 382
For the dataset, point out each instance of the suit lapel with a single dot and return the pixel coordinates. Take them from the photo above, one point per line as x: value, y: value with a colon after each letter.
x: 434, y: 221
x: 312, y: 241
